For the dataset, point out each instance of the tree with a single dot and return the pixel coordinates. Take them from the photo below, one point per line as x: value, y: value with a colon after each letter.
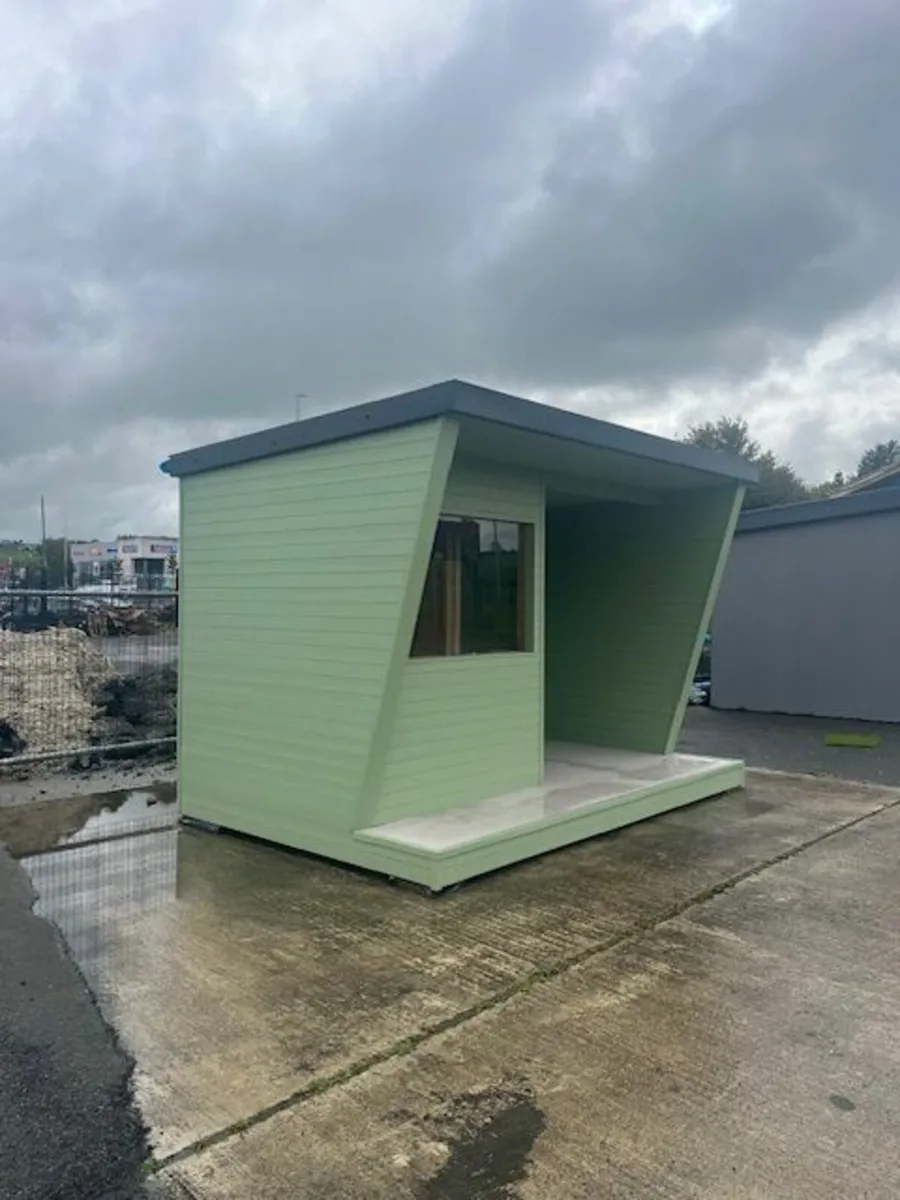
x: 58, y: 567
x: 828, y: 487
x: 20, y: 554
x: 877, y: 457
x: 731, y: 435
x: 778, y: 483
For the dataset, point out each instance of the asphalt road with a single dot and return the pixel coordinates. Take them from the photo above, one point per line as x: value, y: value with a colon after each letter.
x: 68, y: 1128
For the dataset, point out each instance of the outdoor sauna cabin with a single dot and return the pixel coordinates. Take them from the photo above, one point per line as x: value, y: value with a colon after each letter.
x: 441, y: 632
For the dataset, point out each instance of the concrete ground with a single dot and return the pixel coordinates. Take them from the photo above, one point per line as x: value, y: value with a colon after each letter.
x: 704, y: 1005
x: 788, y: 743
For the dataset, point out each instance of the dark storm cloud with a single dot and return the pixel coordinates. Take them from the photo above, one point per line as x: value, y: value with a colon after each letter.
x: 175, y: 247
x: 765, y: 207
x: 352, y: 263
x: 243, y: 257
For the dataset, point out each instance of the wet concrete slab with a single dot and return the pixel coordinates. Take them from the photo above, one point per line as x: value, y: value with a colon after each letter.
x: 245, y: 978
x: 746, y: 1048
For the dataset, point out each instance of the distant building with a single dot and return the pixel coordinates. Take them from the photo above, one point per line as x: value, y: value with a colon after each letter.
x: 92, y: 561
x: 134, y: 561
x: 147, y: 561
x: 807, y: 618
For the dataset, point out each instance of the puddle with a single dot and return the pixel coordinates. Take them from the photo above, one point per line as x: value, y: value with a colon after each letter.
x: 90, y: 891
x: 43, y: 825
x: 95, y: 861
x: 145, y: 807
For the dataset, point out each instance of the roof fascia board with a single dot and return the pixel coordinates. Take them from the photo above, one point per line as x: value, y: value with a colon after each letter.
x: 459, y: 399
x: 811, y: 511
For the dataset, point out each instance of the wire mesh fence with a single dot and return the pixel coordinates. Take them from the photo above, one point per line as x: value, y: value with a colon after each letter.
x: 90, y: 891
x: 86, y: 676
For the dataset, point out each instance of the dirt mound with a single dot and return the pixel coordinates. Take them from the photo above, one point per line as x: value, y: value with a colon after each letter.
x: 10, y: 742
x: 139, y: 705
x: 48, y: 684
x: 59, y: 692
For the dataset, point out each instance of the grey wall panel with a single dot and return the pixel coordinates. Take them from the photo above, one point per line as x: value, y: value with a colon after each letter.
x: 808, y: 620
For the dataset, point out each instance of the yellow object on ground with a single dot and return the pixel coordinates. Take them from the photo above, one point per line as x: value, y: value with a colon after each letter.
x: 860, y: 741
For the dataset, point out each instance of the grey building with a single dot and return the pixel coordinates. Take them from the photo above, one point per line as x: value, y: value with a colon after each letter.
x: 808, y: 617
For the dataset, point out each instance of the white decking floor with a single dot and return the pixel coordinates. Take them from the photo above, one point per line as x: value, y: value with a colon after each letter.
x: 575, y: 778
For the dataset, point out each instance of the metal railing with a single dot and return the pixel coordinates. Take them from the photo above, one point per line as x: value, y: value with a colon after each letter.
x: 86, y: 675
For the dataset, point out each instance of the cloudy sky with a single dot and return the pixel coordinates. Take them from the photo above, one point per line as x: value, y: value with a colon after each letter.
x: 651, y: 210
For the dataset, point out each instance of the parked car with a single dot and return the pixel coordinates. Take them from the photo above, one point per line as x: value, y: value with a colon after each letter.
x: 700, y: 687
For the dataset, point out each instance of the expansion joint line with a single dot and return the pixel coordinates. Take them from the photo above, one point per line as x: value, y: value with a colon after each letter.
x: 407, y: 1046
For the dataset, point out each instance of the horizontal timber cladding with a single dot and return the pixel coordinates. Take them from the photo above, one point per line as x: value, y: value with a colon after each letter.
x: 295, y: 571
x: 470, y: 727
x: 629, y: 592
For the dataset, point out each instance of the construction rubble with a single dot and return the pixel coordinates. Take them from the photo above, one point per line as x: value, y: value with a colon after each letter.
x: 97, y: 617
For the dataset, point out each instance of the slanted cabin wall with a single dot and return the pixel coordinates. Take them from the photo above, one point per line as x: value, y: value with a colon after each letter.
x: 469, y: 727
x: 296, y: 574
x: 629, y: 595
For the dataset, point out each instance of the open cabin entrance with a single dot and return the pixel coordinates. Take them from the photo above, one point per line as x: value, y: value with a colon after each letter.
x: 617, y: 605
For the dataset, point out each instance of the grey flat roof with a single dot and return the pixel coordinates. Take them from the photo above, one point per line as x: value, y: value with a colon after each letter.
x: 888, y: 476
x: 860, y: 504
x: 454, y: 398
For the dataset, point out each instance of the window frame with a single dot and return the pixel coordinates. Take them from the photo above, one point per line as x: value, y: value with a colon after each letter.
x: 452, y: 607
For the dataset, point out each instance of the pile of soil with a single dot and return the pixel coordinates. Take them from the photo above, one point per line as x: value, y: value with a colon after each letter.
x: 10, y: 742
x: 136, y: 706
x: 48, y: 681
x: 58, y: 692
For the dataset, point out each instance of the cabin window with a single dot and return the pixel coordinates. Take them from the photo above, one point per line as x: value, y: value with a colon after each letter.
x: 477, y: 597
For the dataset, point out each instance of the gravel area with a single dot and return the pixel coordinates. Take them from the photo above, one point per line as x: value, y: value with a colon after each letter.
x: 60, y: 785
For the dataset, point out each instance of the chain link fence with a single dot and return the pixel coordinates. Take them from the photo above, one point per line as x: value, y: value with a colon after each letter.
x: 86, y: 677
x: 87, y: 891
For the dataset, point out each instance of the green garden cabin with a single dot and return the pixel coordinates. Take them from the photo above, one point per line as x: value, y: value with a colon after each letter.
x: 445, y: 631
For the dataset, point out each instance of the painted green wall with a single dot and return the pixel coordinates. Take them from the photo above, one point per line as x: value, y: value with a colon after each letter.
x: 302, y: 717
x: 471, y: 727
x: 629, y: 595
x: 296, y: 609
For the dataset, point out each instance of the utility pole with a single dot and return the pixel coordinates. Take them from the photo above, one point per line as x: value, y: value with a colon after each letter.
x: 68, y: 570
x: 44, y: 568
x: 300, y: 396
